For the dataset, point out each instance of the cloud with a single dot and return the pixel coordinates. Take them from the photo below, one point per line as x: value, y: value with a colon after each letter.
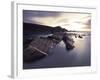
x: 70, y: 20
x: 28, y: 15
x: 88, y: 22
x: 85, y: 21
x: 40, y: 13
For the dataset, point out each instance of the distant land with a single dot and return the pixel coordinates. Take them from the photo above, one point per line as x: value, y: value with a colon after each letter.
x: 37, y: 28
x: 77, y: 31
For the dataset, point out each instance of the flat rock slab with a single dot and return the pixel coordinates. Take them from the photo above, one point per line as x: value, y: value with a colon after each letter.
x: 38, y: 48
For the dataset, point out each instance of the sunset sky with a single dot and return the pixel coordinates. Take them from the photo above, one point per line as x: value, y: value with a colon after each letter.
x: 68, y: 20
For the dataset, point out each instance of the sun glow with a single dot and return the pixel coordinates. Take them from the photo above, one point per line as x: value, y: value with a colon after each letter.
x: 75, y: 27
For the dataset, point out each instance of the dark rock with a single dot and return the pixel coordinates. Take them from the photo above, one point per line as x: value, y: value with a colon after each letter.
x: 80, y: 36
x: 68, y: 42
x: 32, y: 55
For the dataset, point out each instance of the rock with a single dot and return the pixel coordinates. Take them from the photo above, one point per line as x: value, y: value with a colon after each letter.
x: 30, y: 55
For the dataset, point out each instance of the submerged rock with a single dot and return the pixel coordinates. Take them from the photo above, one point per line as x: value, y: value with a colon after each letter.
x: 38, y: 48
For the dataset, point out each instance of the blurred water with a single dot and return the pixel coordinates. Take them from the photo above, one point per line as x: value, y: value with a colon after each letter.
x: 60, y: 57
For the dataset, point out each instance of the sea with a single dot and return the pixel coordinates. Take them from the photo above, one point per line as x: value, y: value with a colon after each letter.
x: 59, y: 57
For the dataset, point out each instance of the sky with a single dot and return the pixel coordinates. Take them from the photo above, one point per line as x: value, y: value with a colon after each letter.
x: 68, y: 20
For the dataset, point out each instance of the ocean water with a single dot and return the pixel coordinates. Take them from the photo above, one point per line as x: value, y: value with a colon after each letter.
x: 60, y: 57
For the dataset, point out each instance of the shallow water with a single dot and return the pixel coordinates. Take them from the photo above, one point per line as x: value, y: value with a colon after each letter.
x: 60, y: 57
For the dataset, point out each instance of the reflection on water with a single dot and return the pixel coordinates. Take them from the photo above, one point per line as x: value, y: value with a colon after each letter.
x: 80, y: 55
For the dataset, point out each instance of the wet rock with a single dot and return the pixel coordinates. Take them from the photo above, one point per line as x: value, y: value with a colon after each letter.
x: 32, y: 55
x: 69, y: 42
